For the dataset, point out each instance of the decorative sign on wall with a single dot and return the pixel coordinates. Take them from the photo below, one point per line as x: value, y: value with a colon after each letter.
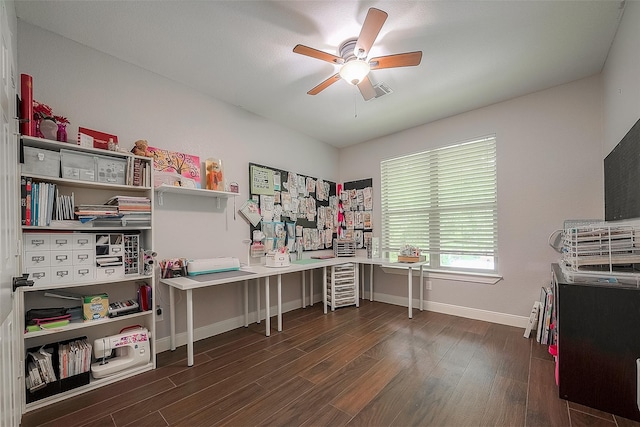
x: 296, y: 210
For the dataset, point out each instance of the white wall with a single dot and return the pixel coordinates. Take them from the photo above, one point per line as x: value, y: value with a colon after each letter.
x: 97, y: 91
x: 621, y: 77
x: 549, y: 169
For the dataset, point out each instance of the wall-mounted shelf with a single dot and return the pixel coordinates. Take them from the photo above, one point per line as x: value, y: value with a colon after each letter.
x: 199, y: 192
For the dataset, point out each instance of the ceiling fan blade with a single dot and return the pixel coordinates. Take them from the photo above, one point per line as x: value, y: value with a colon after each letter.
x: 325, y: 84
x: 318, y: 54
x: 366, y: 89
x: 398, y: 60
x: 370, y: 29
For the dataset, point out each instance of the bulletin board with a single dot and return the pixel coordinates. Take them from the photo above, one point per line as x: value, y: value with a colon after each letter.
x: 295, y: 210
x: 356, y: 206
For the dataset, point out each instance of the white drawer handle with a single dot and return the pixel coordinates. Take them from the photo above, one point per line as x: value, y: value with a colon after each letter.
x: 61, y: 257
x: 83, y: 272
x: 37, y: 242
x: 83, y: 257
x: 38, y: 275
x: 62, y: 273
x: 37, y: 259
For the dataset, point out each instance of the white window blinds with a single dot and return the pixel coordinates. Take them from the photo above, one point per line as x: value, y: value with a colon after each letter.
x: 444, y: 201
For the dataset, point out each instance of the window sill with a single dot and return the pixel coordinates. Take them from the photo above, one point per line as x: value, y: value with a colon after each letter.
x: 458, y: 276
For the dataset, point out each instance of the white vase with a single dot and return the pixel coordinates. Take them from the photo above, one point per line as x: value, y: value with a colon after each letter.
x: 49, y: 129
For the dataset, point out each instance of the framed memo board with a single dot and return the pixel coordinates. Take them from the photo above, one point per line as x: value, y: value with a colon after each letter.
x: 296, y: 210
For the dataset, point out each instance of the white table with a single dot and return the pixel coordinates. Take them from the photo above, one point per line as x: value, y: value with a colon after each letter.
x: 188, y: 284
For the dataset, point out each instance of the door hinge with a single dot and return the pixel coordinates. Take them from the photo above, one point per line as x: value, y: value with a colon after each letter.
x: 22, y: 281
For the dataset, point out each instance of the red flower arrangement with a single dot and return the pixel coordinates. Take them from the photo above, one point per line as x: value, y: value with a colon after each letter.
x: 42, y: 111
x: 61, y: 119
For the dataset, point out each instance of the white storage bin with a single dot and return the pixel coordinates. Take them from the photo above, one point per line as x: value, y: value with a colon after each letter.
x: 110, y: 169
x: 78, y: 166
x: 41, y: 162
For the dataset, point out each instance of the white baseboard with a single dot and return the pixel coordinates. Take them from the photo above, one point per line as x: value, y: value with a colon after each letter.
x: 164, y: 344
x: 457, y: 310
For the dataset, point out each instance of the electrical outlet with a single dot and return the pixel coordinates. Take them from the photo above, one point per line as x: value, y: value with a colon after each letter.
x: 427, y: 285
x: 159, y: 317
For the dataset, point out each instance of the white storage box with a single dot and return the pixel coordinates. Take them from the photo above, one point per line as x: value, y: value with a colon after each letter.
x: 77, y: 165
x: 41, y: 162
x: 277, y: 259
x: 110, y: 169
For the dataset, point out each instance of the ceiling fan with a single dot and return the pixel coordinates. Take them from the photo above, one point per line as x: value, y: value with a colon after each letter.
x: 353, y: 57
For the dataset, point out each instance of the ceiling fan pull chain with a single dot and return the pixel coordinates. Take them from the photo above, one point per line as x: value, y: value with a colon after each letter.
x: 355, y: 104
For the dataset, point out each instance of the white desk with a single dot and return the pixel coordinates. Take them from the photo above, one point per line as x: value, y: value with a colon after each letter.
x: 188, y: 284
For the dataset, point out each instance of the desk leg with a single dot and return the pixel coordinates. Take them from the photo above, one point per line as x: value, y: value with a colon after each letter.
x: 421, y: 288
x: 189, y: 327
x: 258, y: 309
x: 304, y: 297
x: 279, y: 302
x: 324, y: 288
x: 172, y: 315
x: 410, y: 292
x: 246, y: 303
x: 267, y: 310
x: 311, y: 287
x: 357, y: 266
x: 371, y: 282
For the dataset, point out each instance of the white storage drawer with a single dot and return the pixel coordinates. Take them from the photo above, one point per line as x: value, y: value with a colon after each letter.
x: 83, y: 257
x: 83, y: 241
x: 40, y: 275
x: 109, y: 273
x: 62, y: 274
x: 61, y: 242
x: 37, y: 259
x: 84, y: 273
x: 36, y: 241
x: 59, y: 258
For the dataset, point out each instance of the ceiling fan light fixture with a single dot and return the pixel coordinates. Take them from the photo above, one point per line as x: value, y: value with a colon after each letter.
x: 354, y: 71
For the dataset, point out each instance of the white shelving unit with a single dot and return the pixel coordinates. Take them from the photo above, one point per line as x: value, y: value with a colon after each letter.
x: 120, y: 286
x: 198, y: 192
x: 342, y: 287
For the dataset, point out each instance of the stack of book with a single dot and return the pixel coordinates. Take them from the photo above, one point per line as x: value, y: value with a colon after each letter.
x: 134, y: 210
x: 39, y: 370
x: 74, y: 358
x: 86, y: 213
x: 138, y: 172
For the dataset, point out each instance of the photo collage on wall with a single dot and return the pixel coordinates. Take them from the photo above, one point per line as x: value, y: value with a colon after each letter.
x: 355, y: 212
x: 296, y: 211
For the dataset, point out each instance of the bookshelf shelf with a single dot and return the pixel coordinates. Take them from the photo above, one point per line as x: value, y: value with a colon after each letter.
x: 85, y: 184
x: 75, y: 325
x: 198, y: 192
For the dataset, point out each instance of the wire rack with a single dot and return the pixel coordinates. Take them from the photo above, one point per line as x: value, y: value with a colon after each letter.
x: 602, y: 249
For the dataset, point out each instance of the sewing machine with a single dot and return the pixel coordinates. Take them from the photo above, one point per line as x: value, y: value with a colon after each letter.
x: 131, y: 349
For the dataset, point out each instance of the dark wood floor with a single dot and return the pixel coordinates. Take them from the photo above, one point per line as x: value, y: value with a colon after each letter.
x: 357, y: 366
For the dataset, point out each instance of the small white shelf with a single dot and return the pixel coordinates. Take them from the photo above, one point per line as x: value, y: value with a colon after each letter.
x: 82, y: 325
x: 85, y: 184
x: 199, y: 192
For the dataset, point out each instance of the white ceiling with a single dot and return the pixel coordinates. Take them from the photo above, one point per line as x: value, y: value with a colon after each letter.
x: 475, y: 53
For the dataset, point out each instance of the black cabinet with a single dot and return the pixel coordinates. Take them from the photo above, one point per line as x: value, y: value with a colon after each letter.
x: 599, y: 344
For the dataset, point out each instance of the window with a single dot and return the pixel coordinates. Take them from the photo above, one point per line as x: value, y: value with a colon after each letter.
x: 445, y: 202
